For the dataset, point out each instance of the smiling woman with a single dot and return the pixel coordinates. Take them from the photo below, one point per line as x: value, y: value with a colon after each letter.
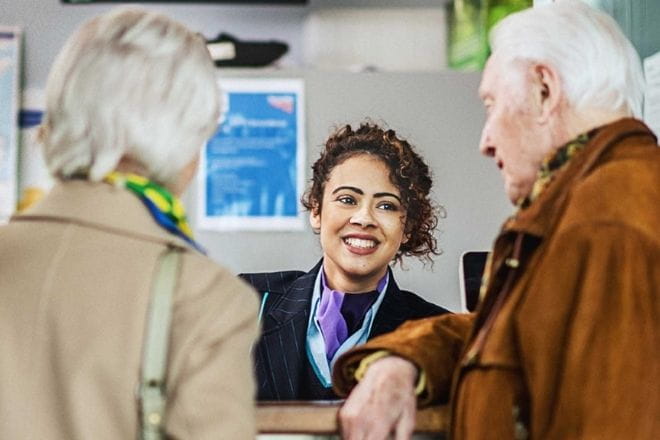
x: 369, y: 202
x: 362, y: 225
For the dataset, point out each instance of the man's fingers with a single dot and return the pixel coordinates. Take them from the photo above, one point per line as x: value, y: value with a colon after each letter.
x: 349, y: 421
x: 406, y: 425
x: 383, y: 403
x: 360, y: 419
x: 349, y: 415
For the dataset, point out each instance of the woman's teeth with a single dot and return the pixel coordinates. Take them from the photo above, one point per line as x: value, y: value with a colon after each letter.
x: 360, y: 243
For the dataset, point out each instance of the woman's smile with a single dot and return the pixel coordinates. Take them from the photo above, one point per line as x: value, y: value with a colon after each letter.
x: 361, y: 245
x: 361, y: 222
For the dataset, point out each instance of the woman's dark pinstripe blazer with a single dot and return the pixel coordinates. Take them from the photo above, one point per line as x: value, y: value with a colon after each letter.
x: 280, y: 356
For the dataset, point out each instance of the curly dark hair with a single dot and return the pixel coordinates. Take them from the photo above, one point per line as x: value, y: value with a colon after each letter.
x: 408, y: 172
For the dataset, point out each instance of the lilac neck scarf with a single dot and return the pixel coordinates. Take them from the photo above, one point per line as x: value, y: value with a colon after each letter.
x: 339, y: 315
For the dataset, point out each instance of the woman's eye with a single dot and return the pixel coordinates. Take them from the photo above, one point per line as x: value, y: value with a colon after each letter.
x: 346, y: 200
x: 387, y: 206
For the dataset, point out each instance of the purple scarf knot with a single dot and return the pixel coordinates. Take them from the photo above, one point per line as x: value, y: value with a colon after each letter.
x: 339, y: 315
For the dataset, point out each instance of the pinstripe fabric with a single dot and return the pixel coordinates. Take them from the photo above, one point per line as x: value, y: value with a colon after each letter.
x: 279, y: 356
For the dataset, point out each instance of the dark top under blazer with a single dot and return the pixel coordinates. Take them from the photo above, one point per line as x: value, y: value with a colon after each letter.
x: 280, y: 355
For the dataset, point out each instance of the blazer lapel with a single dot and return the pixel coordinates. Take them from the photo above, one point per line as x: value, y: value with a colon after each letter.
x: 392, y: 312
x: 281, y: 353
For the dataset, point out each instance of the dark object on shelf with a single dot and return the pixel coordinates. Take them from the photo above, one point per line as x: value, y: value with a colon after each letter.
x: 472, y: 266
x: 228, y: 51
x: 243, y: 2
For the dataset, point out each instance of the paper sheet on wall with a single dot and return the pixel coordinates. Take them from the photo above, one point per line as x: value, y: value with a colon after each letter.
x: 252, y: 170
x: 10, y: 41
x: 652, y: 95
x: 34, y: 180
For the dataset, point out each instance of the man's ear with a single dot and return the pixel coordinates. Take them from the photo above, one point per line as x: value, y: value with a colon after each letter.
x: 315, y: 219
x: 547, y: 90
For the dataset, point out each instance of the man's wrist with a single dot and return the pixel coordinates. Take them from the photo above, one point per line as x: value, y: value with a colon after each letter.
x: 367, y: 361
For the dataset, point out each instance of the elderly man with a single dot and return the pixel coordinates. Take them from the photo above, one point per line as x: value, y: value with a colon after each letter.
x: 566, y: 341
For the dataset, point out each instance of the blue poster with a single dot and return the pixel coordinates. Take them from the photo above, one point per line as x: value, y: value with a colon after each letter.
x: 252, y: 169
x: 10, y: 40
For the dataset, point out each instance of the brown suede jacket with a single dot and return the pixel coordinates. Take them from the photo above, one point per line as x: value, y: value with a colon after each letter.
x: 566, y: 342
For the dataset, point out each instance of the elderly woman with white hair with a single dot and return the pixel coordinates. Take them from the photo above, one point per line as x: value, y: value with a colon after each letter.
x: 130, y: 100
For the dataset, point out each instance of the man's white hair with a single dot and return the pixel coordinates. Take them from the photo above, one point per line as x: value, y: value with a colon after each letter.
x: 598, y: 66
x: 129, y: 83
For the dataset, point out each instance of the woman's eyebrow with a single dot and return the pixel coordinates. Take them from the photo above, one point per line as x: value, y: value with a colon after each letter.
x: 359, y: 191
x: 386, y: 194
x: 351, y: 188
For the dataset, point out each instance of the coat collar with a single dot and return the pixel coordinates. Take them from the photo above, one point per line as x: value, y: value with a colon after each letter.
x: 287, y: 319
x: 523, y: 233
x: 298, y: 296
x: 393, y: 310
x: 101, y: 206
x: 539, y: 218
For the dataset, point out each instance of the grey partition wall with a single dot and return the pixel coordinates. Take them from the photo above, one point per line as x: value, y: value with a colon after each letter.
x: 441, y: 115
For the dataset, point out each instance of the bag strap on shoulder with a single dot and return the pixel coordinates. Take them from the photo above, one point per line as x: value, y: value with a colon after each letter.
x: 152, y: 398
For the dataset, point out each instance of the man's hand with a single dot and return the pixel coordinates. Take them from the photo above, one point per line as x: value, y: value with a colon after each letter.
x: 383, y: 402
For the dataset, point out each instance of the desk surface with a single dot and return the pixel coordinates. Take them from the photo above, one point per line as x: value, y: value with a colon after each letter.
x: 319, y: 417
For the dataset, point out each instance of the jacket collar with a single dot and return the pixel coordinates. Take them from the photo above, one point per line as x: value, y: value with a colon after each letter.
x: 101, y: 206
x: 291, y: 314
x: 298, y: 296
x: 522, y: 233
x: 539, y: 218
x: 393, y: 310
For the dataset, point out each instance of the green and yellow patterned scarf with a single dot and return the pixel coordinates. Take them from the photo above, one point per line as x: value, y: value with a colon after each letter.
x: 551, y: 165
x: 166, y: 209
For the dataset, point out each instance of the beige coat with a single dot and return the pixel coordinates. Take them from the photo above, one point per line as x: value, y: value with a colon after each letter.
x: 75, y: 279
x: 566, y: 344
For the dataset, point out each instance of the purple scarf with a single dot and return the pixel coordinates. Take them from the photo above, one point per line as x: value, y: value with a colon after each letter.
x: 339, y: 315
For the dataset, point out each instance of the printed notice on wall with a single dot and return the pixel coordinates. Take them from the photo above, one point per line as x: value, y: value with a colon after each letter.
x: 652, y: 95
x: 252, y: 170
x: 10, y: 40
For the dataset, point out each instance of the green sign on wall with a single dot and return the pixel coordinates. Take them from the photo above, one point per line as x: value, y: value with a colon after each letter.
x: 469, y: 22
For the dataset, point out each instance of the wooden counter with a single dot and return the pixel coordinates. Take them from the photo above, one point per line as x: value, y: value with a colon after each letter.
x: 317, y: 417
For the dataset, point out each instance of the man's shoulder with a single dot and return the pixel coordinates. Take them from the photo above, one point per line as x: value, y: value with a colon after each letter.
x: 623, y: 190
